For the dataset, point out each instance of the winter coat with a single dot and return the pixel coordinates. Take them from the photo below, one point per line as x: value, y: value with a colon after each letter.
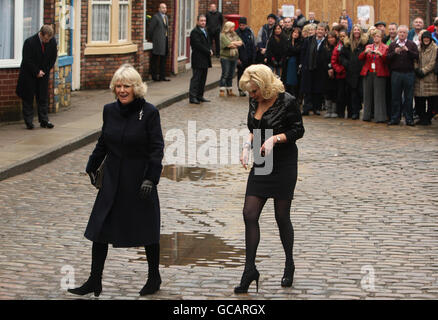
x: 157, y: 33
x: 200, y: 44
x: 33, y: 61
x: 314, y: 66
x: 247, y: 51
x: 381, y: 65
x: 132, y: 142
x: 427, y: 86
x: 292, y: 51
x: 275, y: 51
x: 340, y: 72
x: 215, y: 20
x: 350, y: 60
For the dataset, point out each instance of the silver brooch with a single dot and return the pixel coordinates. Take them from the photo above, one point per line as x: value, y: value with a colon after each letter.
x: 140, y: 114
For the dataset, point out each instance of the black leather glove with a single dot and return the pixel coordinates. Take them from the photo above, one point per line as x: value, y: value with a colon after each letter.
x: 92, y: 178
x: 419, y: 73
x: 146, y: 189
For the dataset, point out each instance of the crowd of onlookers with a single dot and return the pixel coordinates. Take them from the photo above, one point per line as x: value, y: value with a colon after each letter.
x: 344, y: 68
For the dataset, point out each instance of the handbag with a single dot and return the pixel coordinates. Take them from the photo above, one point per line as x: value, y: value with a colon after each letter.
x: 99, y: 174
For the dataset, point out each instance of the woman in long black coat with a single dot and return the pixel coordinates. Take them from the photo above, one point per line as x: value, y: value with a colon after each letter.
x: 126, y: 212
x: 349, y: 58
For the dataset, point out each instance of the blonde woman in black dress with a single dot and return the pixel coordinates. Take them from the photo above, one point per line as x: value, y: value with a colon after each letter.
x: 270, y: 107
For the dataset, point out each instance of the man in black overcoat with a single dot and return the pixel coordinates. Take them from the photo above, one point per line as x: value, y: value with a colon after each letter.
x: 159, y: 35
x: 201, y: 60
x: 39, y: 56
x: 215, y: 21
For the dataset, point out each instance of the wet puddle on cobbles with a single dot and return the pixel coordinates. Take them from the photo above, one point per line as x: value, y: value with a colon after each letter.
x: 197, y: 249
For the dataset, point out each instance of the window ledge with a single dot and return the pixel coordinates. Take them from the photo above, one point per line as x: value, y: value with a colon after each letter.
x: 147, y: 46
x: 108, y: 48
x: 12, y: 64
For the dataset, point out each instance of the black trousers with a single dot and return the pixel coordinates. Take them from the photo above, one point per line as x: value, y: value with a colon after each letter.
x: 425, y: 113
x: 215, y: 36
x: 42, y: 99
x: 158, y: 65
x: 197, y: 82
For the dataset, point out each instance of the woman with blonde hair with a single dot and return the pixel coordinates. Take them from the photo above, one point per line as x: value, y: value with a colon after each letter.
x: 349, y: 58
x: 126, y: 212
x: 274, y: 171
x: 229, y: 54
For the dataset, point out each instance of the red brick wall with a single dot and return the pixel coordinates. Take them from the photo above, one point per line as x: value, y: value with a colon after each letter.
x: 228, y: 6
x: 10, y: 104
x: 418, y: 8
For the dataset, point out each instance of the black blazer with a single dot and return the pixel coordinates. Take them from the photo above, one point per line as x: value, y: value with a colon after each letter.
x: 201, y: 55
x: 33, y: 61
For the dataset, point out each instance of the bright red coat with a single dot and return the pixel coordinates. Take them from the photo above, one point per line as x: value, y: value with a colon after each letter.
x: 382, y: 69
x: 340, y: 71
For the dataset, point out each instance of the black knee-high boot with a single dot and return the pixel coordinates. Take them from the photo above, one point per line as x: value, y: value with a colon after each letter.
x: 154, y: 280
x: 94, y: 282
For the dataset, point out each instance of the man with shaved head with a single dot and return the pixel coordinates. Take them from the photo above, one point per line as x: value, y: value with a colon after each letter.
x: 159, y: 35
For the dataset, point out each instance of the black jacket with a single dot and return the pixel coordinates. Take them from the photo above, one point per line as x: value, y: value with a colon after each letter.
x: 315, y: 65
x: 215, y: 21
x: 33, y: 61
x: 283, y: 116
x: 133, y: 145
x: 276, y: 50
x: 247, y: 52
x: 201, y: 55
x: 291, y: 51
x: 350, y: 60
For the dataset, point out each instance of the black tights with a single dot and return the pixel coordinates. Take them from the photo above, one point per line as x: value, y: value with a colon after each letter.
x: 99, y: 252
x: 251, y: 213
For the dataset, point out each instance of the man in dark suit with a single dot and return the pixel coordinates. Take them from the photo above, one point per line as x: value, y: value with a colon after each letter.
x: 311, y: 19
x: 215, y: 21
x: 201, y: 60
x: 159, y: 35
x: 39, y: 56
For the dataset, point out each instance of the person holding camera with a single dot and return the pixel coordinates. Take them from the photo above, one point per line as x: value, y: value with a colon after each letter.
x: 375, y: 72
x: 126, y: 212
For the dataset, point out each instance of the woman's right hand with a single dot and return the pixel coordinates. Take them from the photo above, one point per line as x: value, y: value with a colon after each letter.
x: 244, y: 158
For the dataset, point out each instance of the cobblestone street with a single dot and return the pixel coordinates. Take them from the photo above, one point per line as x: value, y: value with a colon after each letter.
x: 365, y: 216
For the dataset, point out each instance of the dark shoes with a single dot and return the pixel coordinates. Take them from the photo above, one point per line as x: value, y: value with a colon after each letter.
x: 242, y: 93
x: 164, y: 79
x: 151, y: 286
x: 202, y: 99
x: 194, y: 101
x: 248, y: 277
x: 288, y: 277
x: 410, y: 123
x: 29, y: 126
x: 92, y: 285
x: 393, y: 123
x: 354, y: 117
x: 46, y: 124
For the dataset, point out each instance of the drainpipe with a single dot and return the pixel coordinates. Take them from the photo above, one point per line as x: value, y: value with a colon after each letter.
x: 428, y: 9
x: 219, y: 6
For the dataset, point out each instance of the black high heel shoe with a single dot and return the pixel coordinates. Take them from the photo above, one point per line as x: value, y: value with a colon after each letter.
x: 248, y: 277
x: 152, y: 285
x: 288, y: 277
x: 91, y: 285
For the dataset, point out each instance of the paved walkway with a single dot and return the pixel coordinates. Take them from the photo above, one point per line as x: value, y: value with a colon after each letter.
x: 364, y: 215
x: 22, y: 150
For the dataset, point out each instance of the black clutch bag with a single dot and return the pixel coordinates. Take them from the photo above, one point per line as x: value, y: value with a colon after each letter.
x: 99, y: 174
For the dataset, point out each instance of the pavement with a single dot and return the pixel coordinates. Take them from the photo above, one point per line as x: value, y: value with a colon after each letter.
x: 23, y: 150
x: 364, y: 217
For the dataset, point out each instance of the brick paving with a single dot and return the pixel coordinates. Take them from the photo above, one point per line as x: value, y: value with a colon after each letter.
x: 365, y: 204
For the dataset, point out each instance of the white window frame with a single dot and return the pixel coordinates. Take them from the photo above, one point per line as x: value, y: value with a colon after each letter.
x: 183, y: 23
x: 114, y: 45
x: 90, y: 20
x: 146, y: 44
x: 18, y: 34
